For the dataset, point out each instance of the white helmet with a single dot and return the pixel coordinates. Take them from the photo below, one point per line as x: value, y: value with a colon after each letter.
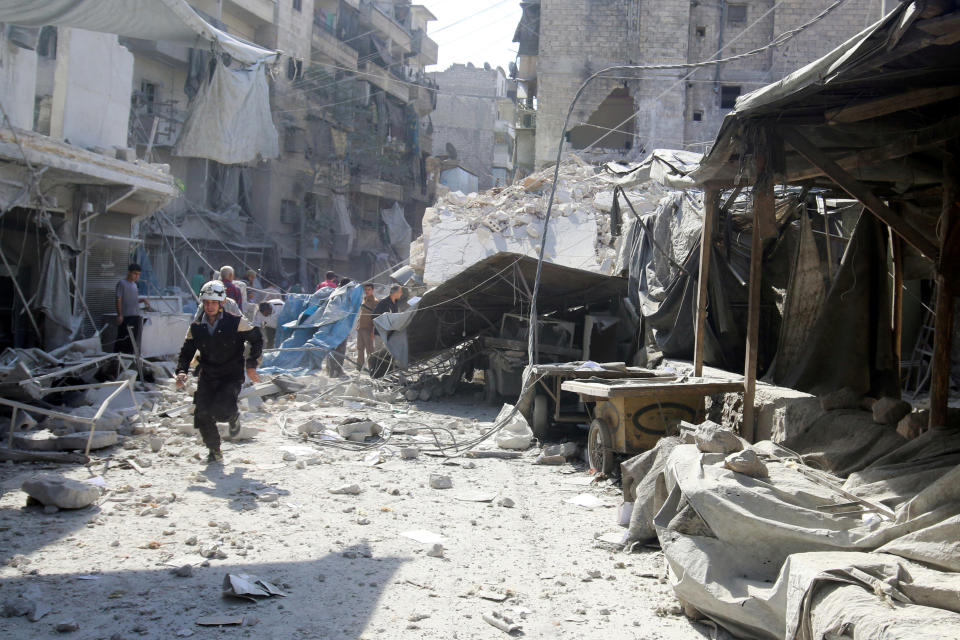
x: 213, y: 290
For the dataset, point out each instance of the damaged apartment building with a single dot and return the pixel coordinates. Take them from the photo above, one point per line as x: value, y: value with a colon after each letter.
x: 631, y: 113
x: 473, y: 127
x: 351, y: 106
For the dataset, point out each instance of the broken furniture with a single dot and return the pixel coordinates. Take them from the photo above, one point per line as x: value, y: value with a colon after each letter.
x: 632, y: 414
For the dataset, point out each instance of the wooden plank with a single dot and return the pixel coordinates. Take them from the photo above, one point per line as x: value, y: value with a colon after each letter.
x: 897, y: 310
x: 861, y: 192
x: 891, y: 104
x: 711, y: 198
x: 644, y: 388
x: 763, y: 205
x: 946, y: 282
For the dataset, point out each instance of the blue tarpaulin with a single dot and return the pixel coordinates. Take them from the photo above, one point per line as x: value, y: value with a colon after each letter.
x: 310, y: 327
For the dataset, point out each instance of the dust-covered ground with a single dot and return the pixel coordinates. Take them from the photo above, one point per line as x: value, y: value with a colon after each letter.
x: 343, y: 560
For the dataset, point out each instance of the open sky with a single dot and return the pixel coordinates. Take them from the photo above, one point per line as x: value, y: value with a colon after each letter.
x: 478, y: 31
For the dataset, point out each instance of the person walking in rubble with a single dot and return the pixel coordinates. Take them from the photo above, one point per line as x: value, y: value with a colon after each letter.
x: 365, y: 325
x: 220, y: 339
x: 129, y: 322
x: 233, y: 291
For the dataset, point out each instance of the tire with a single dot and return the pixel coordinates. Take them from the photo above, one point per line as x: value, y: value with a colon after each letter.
x: 600, y: 447
x: 541, y: 416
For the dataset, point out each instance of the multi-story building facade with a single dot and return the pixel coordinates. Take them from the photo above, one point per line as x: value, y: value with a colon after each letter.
x: 351, y: 105
x: 475, y: 117
x: 563, y: 42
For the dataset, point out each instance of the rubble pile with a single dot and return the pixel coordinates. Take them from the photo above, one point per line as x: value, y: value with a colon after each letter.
x: 460, y: 230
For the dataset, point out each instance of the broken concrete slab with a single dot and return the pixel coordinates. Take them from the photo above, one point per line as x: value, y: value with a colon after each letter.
x: 347, y: 490
x: 61, y: 492
x: 46, y: 441
x: 440, y: 481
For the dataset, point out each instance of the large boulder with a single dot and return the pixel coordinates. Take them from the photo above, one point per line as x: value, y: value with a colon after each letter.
x: 712, y: 438
x: 57, y: 491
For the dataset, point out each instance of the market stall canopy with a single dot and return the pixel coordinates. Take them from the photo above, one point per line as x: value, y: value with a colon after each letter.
x: 475, y: 299
x: 868, y: 118
x: 166, y: 20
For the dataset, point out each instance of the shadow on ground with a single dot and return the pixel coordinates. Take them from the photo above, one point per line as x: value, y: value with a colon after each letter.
x: 333, y: 596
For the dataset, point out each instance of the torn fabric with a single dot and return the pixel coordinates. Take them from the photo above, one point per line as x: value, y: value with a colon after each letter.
x: 229, y: 120
x: 398, y: 229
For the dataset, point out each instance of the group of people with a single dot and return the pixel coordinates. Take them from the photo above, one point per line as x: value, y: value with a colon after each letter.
x: 370, y: 308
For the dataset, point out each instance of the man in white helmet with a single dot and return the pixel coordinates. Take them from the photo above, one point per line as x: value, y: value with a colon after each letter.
x: 220, y: 339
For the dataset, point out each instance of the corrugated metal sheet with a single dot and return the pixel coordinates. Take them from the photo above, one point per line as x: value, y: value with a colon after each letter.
x: 106, y: 263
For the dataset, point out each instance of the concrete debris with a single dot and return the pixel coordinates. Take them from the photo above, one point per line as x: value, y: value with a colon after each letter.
x: 845, y: 398
x: 184, y: 571
x: 440, y: 481
x: 712, y: 438
x: 359, y: 430
x: 64, y: 493
x: 507, y: 503
x: 347, y: 490
x: 460, y: 230
x: 67, y: 626
x: 46, y: 441
x: 409, y: 453
x: 502, y: 622
x: 888, y: 410
x: 435, y: 551
x: 746, y: 462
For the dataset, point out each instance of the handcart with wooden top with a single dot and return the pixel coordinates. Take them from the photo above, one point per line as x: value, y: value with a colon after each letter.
x: 631, y: 414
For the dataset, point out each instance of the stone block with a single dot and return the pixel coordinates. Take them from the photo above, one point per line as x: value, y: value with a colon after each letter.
x: 888, y: 410
x: 64, y: 493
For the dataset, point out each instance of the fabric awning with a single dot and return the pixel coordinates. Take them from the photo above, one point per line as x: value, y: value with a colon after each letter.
x: 165, y: 20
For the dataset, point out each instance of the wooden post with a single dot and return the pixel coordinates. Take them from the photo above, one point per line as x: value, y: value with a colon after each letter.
x: 763, y: 209
x: 711, y: 198
x: 897, y: 310
x: 946, y: 283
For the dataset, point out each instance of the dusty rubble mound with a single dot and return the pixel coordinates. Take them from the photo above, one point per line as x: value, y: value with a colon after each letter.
x: 460, y: 230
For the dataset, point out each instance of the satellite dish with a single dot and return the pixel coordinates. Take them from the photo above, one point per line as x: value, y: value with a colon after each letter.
x: 451, y: 151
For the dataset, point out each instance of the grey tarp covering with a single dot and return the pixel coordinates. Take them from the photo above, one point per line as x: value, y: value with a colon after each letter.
x: 750, y: 553
x: 398, y: 229
x: 391, y: 327
x: 60, y: 325
x: 669, y: 167
x: 167, y: 20
x: 229, y: 121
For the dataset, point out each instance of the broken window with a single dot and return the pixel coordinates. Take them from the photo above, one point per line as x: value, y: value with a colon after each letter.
x: 736, y: 14
x: 610, y: 126
x: 698, y: 116
x: 148, y: 96
x: 728, y: 96
x: 701, y: 32
x: 298, y: 5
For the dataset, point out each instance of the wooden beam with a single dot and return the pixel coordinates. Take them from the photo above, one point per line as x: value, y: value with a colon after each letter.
x: 891, y: 104
x: 897, y: 310
x: 711, y: 198
x: 763, y: 205
x: 946, y: 282
x: 916, y: 141
x: 861, y: 192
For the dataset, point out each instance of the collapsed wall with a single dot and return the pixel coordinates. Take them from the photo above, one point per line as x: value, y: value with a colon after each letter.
x: 584, y: 230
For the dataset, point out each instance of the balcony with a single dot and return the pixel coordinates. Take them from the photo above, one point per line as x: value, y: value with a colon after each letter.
x: 327, y: 44
x: 161, y: 121
x: 383, y: 79
x: 429, y: 52
x: 262, y: 9
x: 502, y: 159
x: 377, y: 188
x: 386, y: 26
x: 503, y: 128
x: 166, y: 52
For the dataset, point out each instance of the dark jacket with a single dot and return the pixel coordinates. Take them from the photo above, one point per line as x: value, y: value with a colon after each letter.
x: 385, y: 306
x: 221, y: 354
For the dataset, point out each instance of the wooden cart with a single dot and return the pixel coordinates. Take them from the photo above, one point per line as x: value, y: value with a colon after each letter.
x: 631, y: 414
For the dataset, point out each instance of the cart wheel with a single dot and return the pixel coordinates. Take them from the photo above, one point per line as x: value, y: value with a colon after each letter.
x: 541, y: 413
x: 600, y: 447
